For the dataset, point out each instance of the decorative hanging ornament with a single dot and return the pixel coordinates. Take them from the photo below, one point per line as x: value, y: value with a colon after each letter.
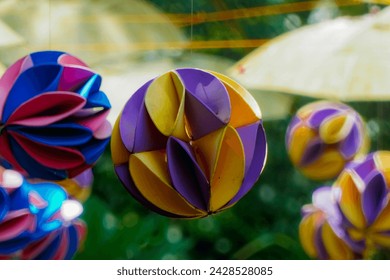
x: 323, y: 136
x: 79, y: 187
x: 53, y: 116
x: 37, y: 221
x: 189, y: 143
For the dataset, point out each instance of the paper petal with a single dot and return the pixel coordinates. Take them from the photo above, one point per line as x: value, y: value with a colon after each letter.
x: 90, y: 90
x: 4, y: 200
x: 207, y: 103
x: 350, y: 201
x: 7, y: 81
x: 335, y: 247
x: 307, y: 229
x: 373, y: 197
x: 34, y: 249
x: 314, y: 149
x: 49, y: 155
x: 30, y: 83
x: 351, y: 144
x: 7, y: 153
x: 92, y: 150
x: 69, y: 60
x: 255, y: 148
x: 129, y: 117
x: 44, y: 58
x: 97, y: 100
x: 46, y: 108
x: 244, y: 108
x: 14, y: 224
x: 35, y: 169
x: 94, y: 121
x: 229, y: 171
x: 59, y: 134
x: 319, y: 116
x: 336, y: 128
x: 301, y: 136
x: 150, y: 174
x: 72, y: 79
x: 124, y: 176
x: 164, y: 100
x: 382, y: 222
x: 187, y: 176
x: 119, y: 153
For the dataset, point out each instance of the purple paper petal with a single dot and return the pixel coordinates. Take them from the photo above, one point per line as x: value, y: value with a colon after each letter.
x: 255, y: 149
x: 351, y: 144
x: 319, y: 245
x: 122, y: 171
x: 207, y: 104
x: 129, y: 118
x: 373, y: 197
x: 187, y: 176
x: 312, y: 152
x: 365, y: 168
x: 137, y: 130
x: 318, y: 117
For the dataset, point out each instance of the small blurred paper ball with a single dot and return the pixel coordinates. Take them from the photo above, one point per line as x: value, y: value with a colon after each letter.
x: 323, y: 136
x: 53, y: 116
x: 79, y: 187
x: 189, y: 143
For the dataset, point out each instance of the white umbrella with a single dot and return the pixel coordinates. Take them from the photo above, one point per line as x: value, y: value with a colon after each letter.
x: 347, y: 58
x: 95, y: 30
x: 122, y: 80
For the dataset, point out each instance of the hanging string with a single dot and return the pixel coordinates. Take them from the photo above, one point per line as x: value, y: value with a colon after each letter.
x: 192, y: 26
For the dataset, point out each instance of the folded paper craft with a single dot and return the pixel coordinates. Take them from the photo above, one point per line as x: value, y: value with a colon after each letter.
x: 351, y: 219
x: 52, y: 116
x: 189, y: 143
x: 79, y: 187
x: 323, y: 136
x: 32, y: 219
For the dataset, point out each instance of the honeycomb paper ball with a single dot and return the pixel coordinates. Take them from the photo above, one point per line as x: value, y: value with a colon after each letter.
x: 52, y: 116
x: 323, y: 136
x: 189, y: 143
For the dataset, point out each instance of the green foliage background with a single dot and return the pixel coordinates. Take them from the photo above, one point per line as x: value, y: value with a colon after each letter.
x: 264, y: 224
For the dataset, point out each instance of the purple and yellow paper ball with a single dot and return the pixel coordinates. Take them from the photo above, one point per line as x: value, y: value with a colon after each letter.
x: 323, y: 136
x: 189, y: 143
x: 52, y: 116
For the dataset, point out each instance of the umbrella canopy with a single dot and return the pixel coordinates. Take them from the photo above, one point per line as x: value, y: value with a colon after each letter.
x: 346, y: 59
x: 95, y: 30
x: 121, y: 80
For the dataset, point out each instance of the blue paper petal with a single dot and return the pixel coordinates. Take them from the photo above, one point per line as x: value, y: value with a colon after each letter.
x: 48, y: 57
x: 92, y: 85
x: 4, y: 203
x: 59, y: 134
x: 98, y: 99
x: 93, y: 150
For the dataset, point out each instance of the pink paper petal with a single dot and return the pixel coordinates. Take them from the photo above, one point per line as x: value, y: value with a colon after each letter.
x: 73, y: 78
x: 34, y: 249
x: 49, y: 156
x: 7, y: 81
x: 6, y: 152
x: 35, y: 199
x: 104, y: 131
x: 63, y: 247
x: 95, y: 121
x: 69, y: 60
x: 15, y: 223
x: 47, y: 108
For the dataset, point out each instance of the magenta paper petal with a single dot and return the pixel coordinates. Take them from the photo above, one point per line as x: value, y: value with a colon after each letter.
x: 104, y: 131
x: 7, y: 154
x: 373, y: 197
x: 123, y: 174
x: 15, y: 223
x: 47, y: 108
x: 69, y: 60
x: 73, y: 78
x: 7, y: 81
x: 255, y: 149
x: 207, y: 103
x: 48, y: 155
x: 95, y: 121
x: 187, y: 176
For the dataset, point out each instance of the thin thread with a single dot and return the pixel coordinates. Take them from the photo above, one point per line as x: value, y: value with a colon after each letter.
x: 50, y: 15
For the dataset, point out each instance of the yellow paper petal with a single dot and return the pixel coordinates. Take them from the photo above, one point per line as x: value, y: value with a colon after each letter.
x: 335, y: 247
x: 328, y: 165
x: 307, y: 229
x: 336, y: 128
x: 382, y: 222
x: 382, y: 161
x: 244, y: 108
x: 229, y: 170
x: 207, y: 149
x: 299, y: 139
x: 149, y: 171
x: 164, y: 101
x: 350, y: 201
x: 119, y: 153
